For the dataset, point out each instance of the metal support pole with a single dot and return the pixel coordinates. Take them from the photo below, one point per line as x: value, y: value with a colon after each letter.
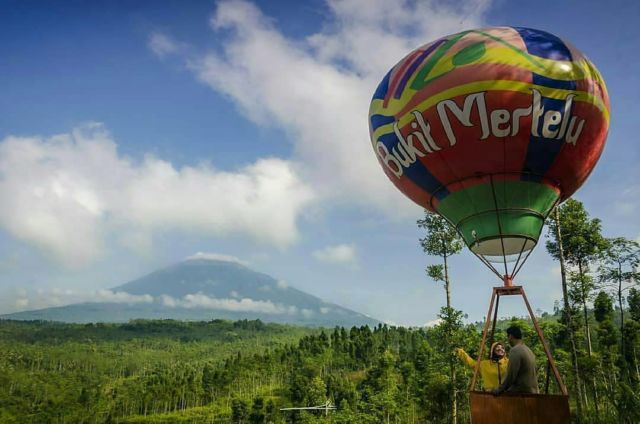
x: 510, y: 290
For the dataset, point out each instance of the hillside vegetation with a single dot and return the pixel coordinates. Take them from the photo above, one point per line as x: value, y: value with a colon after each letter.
x: 55, y: 372
x: 219, y: 371
x: 246, y: 371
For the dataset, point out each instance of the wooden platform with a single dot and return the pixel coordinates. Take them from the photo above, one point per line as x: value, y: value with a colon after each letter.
x: 518, y: 408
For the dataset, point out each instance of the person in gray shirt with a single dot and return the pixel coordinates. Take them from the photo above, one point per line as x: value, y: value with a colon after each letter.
x: 521, y: 373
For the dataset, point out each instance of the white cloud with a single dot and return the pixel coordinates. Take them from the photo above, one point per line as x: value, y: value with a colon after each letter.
x: 339, y: 254
x: 217, y: 257
x: 203, y: 199
x: 45, y: 298
x: 318, y: 90
x: 22, y: 303
x: 626, y: 204
x: 199, y: 300
x: 324, y: 310
x: 433, y: 323
x: 372, y: 35
x: 162, y: 45
x: 169, y: 301
x: 109, y: 296
x: 282, y: 285
x: 65, y: 194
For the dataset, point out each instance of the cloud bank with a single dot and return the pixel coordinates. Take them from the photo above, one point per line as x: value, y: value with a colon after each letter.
x: 318, y: 89
x: 339, y: 254
x: 73, y: 195
x: 217, y: 257
x: 45, y: 298
x: 199, y: 300
x: 69, y: 194
x: 163, y: 46
x: 202, y: 301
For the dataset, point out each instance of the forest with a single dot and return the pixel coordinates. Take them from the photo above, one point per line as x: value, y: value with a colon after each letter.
x: 246, y: 371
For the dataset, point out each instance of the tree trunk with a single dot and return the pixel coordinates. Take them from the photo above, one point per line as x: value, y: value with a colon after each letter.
x: 584, y: 295
x: 635, y: 361
x: 452, y: 370
x: 584, y: 309
x: 621, y: 311
x: 568, y: 312
x: 446, y: 282
x: 584, y: 391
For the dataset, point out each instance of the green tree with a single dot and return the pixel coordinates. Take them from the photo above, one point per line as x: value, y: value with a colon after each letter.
x: 382, y: 387
x: 576, y: 240
x: 582, y: 242
x: 608, y: 353
x: 603, y: 312
x: 556, y: 249
x: 629, y: 404
x: 602, y: 307
x: 271, y: 412
x: 619, y: 271
x: 631, y: 334
x: 239, y: 410
x: 633, y: 301
x: 316, y: 391
x: 442, y: 240
x: 257, y: 415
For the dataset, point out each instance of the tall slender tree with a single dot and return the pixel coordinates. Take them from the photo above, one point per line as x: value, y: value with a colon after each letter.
x: 633, y: 300
x: 619, y: 270
x: 443, y: 240
x: 582, y: 243
x: 556, y: 249
x: 608, y: 370
x: 632, y: 336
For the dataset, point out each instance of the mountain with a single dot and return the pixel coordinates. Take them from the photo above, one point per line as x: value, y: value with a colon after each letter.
x: 204, y: 289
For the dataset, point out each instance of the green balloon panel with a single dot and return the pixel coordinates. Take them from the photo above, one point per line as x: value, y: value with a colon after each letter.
x: 513, y: 210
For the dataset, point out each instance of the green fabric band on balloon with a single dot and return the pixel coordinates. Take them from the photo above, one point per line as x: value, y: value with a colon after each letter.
x: 521, y: 207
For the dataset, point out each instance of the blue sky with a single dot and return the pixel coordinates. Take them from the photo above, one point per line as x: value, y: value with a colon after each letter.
x: 135, y: 134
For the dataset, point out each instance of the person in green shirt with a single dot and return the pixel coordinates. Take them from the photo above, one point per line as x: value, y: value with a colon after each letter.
x: 521, y: 372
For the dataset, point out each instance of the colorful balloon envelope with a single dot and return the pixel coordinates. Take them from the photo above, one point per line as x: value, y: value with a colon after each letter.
x: 491, y: 128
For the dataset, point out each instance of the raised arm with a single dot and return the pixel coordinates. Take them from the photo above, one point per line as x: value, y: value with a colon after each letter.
x: 466, y: 359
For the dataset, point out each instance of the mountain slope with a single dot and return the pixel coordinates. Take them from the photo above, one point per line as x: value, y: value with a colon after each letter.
x: 204, y: 289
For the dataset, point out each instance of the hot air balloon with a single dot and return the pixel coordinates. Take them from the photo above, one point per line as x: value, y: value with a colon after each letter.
x: 492, y: 128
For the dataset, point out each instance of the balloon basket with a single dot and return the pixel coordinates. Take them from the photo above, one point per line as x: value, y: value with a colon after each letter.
x: 517, y: 407
x: 521, y: 408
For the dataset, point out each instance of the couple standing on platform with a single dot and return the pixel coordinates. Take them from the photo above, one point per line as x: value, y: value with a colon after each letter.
x: 515, y: 374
